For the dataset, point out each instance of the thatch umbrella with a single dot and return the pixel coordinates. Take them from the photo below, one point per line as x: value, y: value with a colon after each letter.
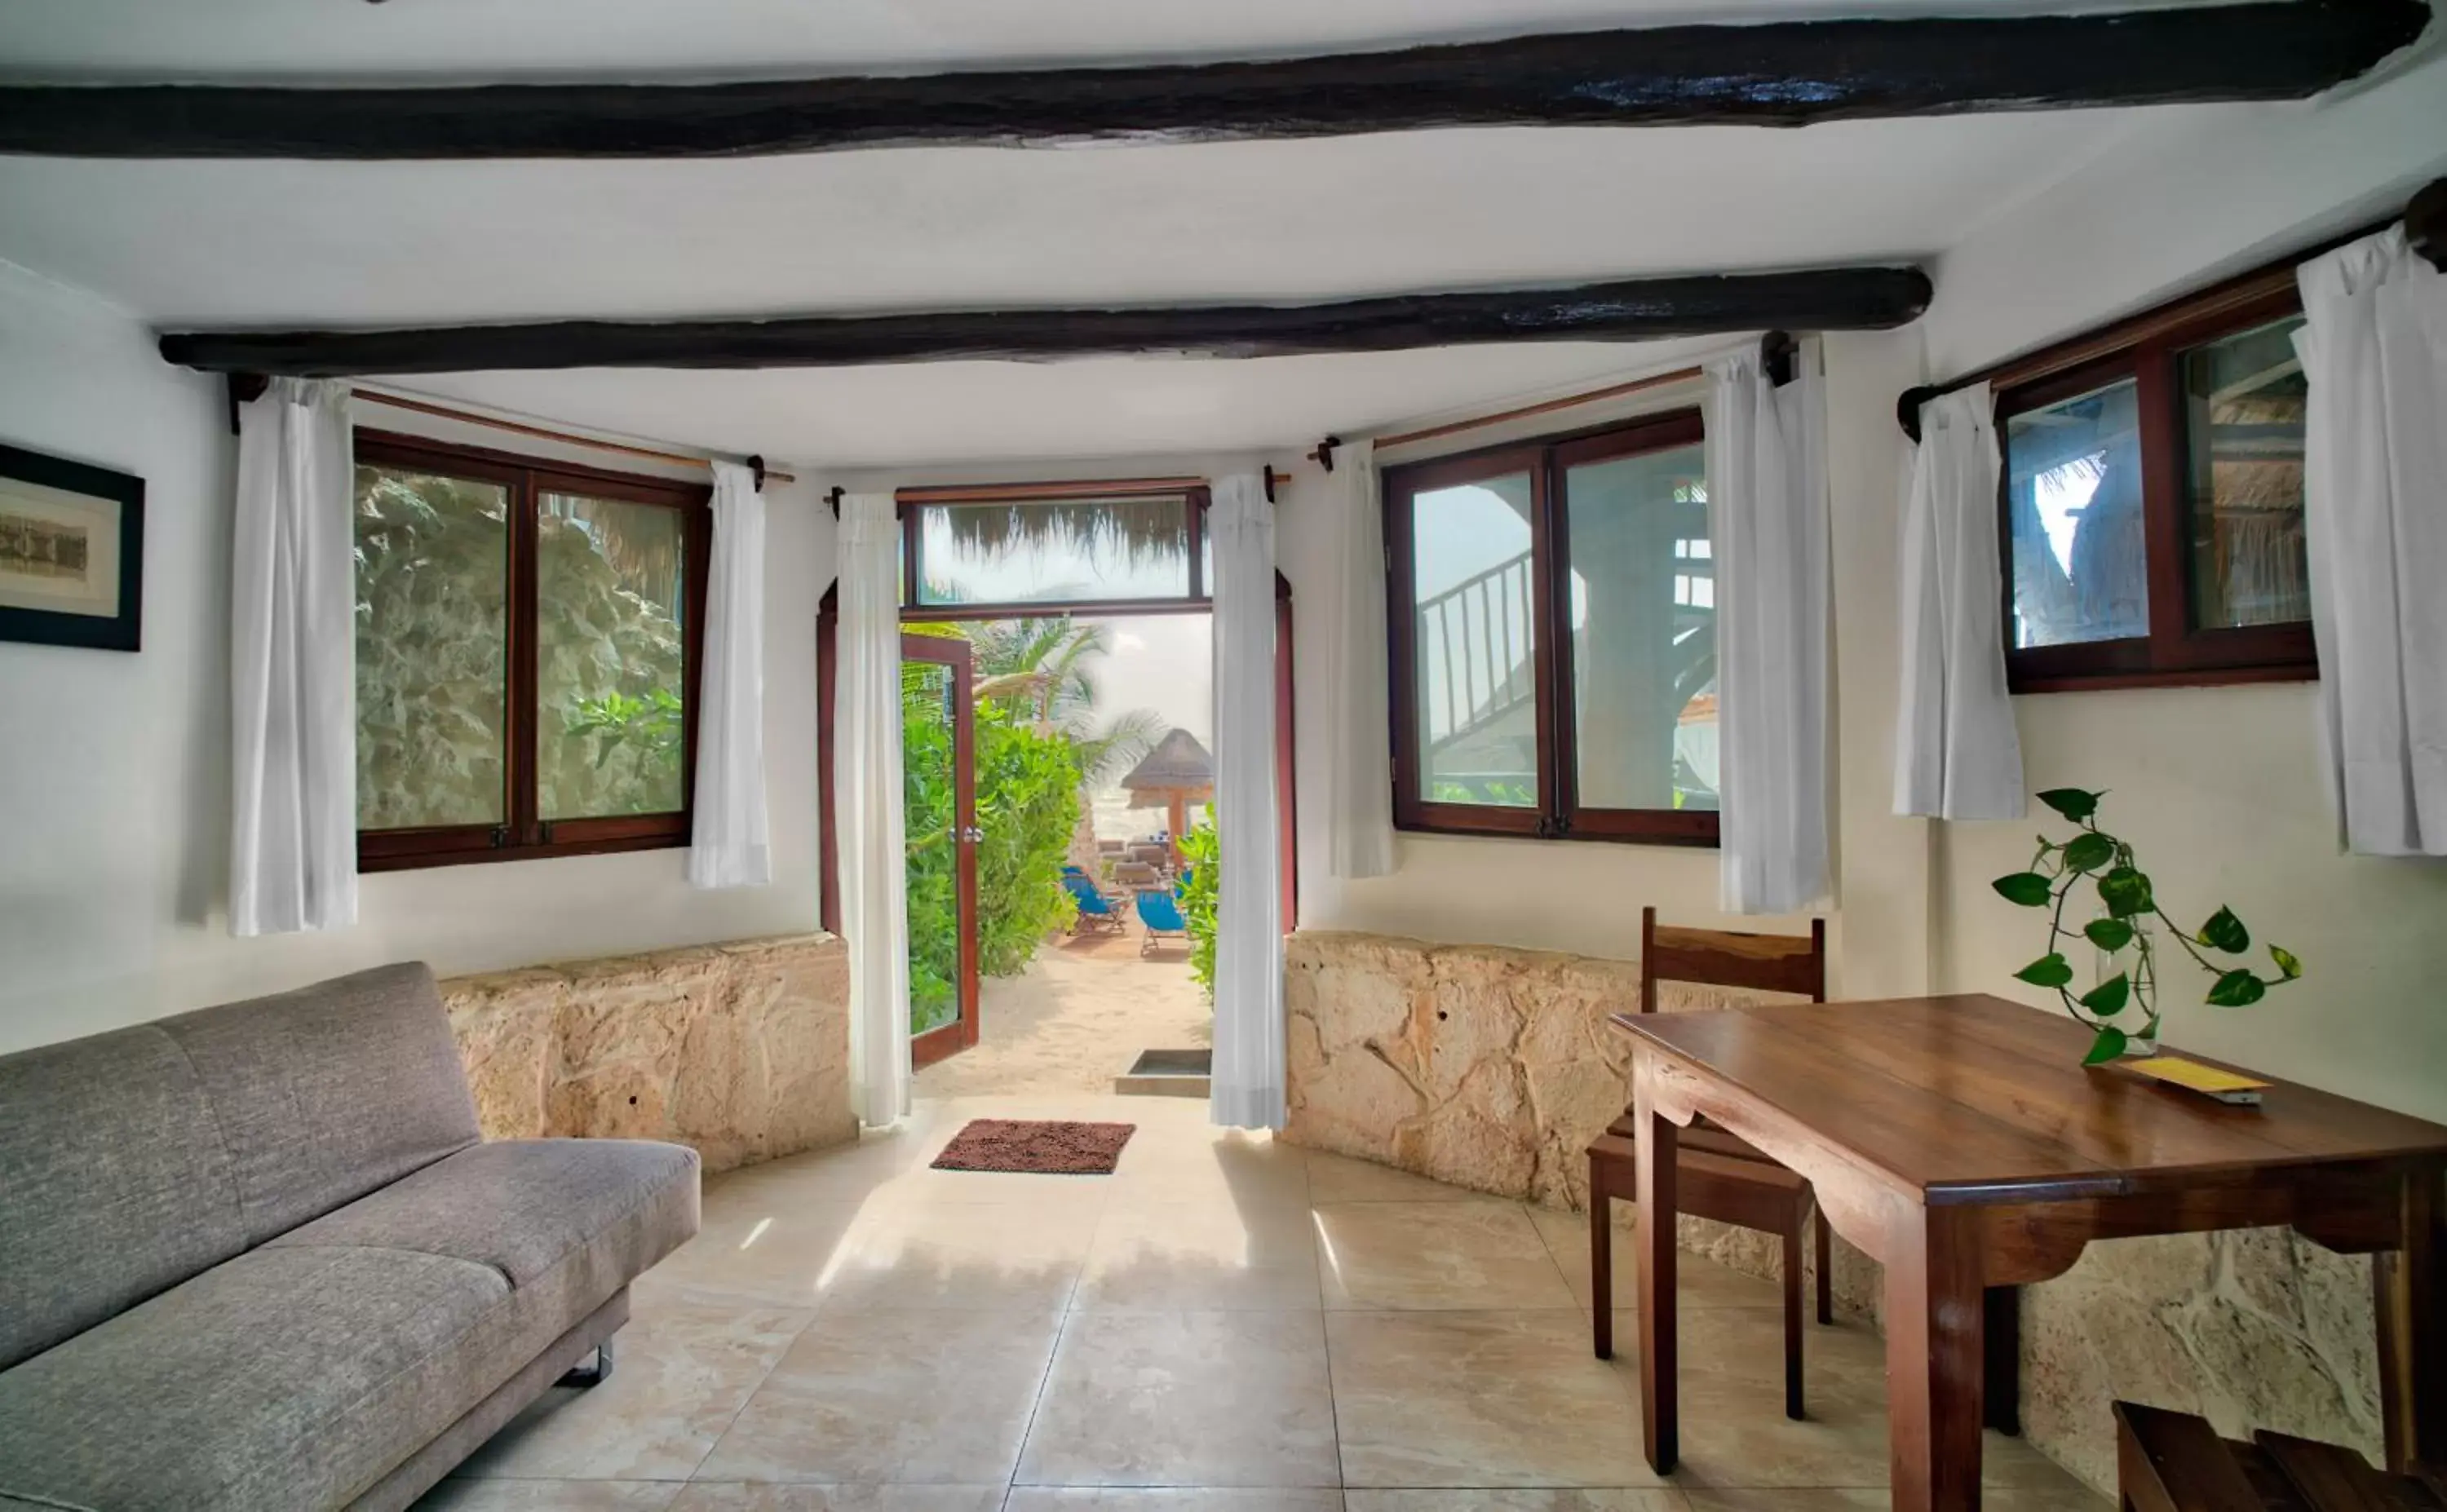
x: 1173, y: 776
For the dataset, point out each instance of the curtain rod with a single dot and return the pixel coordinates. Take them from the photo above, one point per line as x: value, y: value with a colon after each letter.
x: 1777, y: 349
x: 1323, y: 455
x: 375, y: 396
x: 2426, y: 232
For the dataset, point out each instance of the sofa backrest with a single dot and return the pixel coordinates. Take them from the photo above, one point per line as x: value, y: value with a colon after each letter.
x: 133, y: 1159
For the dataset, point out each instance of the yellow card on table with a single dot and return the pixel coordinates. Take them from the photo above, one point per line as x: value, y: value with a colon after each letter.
x: 2227, y: 1086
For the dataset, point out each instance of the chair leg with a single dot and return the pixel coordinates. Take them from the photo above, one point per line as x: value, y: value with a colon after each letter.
x: 1826, y: 1268
x: 1600, y: 1263
x: 1793, y: 1316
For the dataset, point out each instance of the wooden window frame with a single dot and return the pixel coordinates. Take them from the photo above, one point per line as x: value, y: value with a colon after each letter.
x: 1559, y: 813
x: 2148, y: 350
x: 524, y: 835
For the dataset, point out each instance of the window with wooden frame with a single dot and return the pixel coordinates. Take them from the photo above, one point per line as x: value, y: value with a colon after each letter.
x: 2152, y: 500
x: 1552, y: 612
x: 528, y: 634
x: 1135, y: 545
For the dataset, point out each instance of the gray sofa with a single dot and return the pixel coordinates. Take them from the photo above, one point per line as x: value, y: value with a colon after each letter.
x: 257, y: 1256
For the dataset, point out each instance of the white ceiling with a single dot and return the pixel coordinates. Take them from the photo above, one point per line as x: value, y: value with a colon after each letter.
x: 271, y: 243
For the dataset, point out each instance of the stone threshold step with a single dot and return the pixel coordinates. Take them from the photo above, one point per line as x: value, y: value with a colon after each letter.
x: 1166, y: 1073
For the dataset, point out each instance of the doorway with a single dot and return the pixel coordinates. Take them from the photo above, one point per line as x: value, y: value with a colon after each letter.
x: 1001, y: 594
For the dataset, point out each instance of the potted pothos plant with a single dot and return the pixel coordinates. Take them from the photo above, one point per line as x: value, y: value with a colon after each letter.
x: 2122, y: 1011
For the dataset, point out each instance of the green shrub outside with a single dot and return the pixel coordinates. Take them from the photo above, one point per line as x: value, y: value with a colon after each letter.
x: 1028, y: 804
x: 1200, y: 854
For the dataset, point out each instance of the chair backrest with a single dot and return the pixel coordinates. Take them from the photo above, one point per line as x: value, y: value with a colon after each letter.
x: 1723, y: 957
x: 1158, y: 911
x: 1084, y: 893
x: 1136, y: 874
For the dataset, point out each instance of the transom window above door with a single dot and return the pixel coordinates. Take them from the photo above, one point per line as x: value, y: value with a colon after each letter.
x: 1140, y: 543
x: 528, y: 641
x: 1553, y: 642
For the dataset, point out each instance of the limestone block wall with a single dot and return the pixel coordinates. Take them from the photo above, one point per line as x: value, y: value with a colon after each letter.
x: 1492, y: 1069
x: 739, y: 1049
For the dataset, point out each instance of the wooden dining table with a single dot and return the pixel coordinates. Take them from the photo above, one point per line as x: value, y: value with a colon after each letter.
x: 1960, y: 1142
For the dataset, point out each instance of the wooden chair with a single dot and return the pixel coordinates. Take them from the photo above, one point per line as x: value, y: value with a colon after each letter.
x: 1717, y: 1176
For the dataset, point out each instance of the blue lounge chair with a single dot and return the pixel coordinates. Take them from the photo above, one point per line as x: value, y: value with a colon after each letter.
x: 1161, y: 917
x: 1096, y: 910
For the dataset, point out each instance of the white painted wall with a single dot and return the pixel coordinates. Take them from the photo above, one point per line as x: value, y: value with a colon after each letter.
x: 114, y: 769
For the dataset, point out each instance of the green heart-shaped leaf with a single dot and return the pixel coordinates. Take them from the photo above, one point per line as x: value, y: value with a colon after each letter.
x: 2237, y: 989
x: 2089, y: 852
x: 2108, y: 1045
x: 2029, y: 889
x: 2050, y: 970
x: 2225, y: 932
x: 2072, y: 803
x: 2286, y: 961
x: 2108, y: 933
x: 2125, y: 891
x: 2108, y: 998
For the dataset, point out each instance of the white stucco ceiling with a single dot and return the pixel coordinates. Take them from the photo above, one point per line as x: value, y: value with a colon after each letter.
x: 273, y: 243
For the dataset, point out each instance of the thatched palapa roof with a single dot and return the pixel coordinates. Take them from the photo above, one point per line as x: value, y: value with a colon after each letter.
x: 1134, y: 529
x: 1178, y: 765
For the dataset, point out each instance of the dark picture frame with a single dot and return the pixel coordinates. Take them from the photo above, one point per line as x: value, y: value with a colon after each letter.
x: 36, y: 541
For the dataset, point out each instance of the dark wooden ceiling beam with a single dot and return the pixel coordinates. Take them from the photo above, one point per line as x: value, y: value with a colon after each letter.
x: 1786, y: 73
x: 1871, y: 298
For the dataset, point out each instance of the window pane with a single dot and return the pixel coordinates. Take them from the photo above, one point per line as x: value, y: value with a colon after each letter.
x: 610, y: 683
x: 1057, y: 552
x: 2073, y: 506
x: 1477, y: 688
x: 2243, y: 398
x: 433, y: 588
x: 1644, y: 630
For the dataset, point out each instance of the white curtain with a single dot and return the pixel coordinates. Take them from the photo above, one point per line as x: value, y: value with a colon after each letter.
x: 1247, y: 1087
x: 727, y: 847
x: 2373, y: 351
x: 1360, y: 777
x: 293, y: 663
x: 866, y: 806
x: 1767, y: 516
x: 1956, y: 755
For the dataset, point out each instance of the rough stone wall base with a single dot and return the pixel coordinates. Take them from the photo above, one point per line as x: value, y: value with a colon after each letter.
x: 740, y: 1049
x: 1494, y: 1068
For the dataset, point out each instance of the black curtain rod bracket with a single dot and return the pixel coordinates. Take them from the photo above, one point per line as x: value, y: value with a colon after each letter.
x: 1323, y: 456
x: 756, y: 466
x: 833, y: 498
x: 1777, y: 350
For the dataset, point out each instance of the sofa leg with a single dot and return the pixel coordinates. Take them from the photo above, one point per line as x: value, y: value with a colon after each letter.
x: 593, y: 1374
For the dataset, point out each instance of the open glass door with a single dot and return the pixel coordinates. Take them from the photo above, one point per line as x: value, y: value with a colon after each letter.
x: 939, y: 792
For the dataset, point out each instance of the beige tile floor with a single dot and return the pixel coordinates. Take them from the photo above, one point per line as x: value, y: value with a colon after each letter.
x: 1223, y: 1325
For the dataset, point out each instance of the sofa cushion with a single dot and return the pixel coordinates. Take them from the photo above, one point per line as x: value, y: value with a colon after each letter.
x: 328, y: 1092
x: 114, y: 1183
x: 290, y: 1378
x: 528, y: 1207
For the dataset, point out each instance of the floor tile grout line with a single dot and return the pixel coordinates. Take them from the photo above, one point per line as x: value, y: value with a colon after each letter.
x: 749, y: 1395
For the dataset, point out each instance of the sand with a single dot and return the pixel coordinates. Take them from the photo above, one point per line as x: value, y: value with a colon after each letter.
x: 1076, y: 1019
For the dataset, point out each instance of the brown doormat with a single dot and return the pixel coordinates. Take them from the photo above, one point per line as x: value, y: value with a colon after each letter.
x: 1049, y: 1147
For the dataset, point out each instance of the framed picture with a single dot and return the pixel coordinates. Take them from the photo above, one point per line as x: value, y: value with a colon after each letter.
x: 71, y: 553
